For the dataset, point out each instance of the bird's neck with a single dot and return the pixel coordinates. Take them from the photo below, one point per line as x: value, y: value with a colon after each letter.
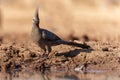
x: 36, y: 30
x: 35, y: 24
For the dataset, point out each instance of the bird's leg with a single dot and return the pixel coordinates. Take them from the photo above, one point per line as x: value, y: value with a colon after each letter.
x: 44, y: 52
x: 48, y: 49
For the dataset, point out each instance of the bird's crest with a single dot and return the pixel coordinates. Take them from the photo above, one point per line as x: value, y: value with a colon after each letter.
x: 36, y: 17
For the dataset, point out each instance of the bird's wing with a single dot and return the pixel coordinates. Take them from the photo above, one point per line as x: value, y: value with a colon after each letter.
x: 49, y: 36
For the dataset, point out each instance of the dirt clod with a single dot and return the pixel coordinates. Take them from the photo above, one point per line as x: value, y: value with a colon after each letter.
x: 105, y: 49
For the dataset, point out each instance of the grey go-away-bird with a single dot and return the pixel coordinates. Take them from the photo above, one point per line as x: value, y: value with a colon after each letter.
x: 45, y: 39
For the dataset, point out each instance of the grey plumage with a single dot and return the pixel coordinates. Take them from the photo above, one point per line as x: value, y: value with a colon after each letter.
x: 45, y: 39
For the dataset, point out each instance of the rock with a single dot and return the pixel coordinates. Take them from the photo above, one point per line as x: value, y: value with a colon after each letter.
x: 105, y: 49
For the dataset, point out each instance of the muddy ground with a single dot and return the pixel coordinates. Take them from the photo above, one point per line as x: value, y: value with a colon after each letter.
x: 19, y: 52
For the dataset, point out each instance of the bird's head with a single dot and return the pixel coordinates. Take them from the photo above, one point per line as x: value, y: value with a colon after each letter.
x: 35, y: 19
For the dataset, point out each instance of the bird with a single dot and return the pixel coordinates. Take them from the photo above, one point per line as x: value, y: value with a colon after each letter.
x: 45, y: 39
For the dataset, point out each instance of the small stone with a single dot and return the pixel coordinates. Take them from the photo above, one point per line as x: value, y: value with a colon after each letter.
x: 105, y: 49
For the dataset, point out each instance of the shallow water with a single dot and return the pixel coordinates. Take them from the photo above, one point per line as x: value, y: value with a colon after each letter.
x: 61, y: 75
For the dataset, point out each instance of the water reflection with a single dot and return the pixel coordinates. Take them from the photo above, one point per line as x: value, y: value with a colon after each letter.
x: 60, y: 75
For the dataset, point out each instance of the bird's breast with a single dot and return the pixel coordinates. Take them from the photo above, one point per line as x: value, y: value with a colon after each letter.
x: 35, y: 35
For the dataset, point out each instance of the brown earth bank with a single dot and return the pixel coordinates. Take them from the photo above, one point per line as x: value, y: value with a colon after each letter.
x: 19, y: 52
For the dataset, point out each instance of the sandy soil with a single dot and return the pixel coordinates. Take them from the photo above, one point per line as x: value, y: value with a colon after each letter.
x: 98, y: 25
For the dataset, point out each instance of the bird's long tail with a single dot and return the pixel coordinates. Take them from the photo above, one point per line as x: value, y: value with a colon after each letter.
x: 84, y: 46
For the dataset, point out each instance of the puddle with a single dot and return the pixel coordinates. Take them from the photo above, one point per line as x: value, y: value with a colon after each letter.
x: 60, y: 75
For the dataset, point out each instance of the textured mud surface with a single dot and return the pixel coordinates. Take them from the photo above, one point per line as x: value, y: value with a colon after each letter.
x: 19, y: 52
